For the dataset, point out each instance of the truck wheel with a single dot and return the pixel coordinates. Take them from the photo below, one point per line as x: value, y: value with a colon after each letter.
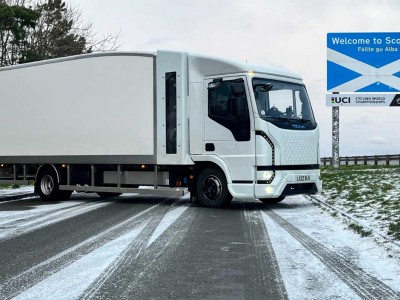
x: 212, y: 188
x: 47, y: 186
x: 108, y: 195
x: 272, y: 200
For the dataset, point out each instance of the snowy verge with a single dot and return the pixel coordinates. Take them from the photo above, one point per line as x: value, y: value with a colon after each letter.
x: 388, y: 242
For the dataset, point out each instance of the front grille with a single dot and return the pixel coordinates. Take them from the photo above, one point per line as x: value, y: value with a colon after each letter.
x: 299, y: 149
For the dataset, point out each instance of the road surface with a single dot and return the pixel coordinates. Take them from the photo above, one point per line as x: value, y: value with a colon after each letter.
x: 145, y: 247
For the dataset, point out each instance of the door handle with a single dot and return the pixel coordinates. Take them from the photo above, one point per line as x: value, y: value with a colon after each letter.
x: 210, y: 147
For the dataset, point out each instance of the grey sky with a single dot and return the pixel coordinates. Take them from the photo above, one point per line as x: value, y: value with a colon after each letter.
x: 284, y: 33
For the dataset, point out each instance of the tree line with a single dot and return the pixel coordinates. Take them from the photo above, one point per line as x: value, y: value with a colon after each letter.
x: 43, y: 29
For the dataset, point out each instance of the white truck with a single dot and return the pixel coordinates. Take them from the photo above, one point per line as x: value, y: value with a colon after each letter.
x: 112, y: 123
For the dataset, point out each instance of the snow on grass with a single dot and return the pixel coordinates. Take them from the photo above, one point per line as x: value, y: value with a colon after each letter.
x: 367, y: 193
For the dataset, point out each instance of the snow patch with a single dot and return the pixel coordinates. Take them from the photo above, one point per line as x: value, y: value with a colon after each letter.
x: 72, y: 281
x: 168, y: 219
x: 336, y: 236
x: 14, y: 223
x: 302, y: 273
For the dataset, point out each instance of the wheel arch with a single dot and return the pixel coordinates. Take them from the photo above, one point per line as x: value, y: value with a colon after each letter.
x: 48, y: 167
x: 204, y: 162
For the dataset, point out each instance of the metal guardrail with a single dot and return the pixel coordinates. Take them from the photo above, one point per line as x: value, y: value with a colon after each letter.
x: 387, y: 160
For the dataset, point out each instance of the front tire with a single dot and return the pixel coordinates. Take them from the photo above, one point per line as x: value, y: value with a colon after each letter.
x: 212, y: 188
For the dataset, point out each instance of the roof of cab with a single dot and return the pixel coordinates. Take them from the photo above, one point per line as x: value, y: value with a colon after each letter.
x: 210, y: 66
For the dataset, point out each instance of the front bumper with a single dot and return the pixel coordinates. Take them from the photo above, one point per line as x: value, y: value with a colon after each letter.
x: 287, y: 183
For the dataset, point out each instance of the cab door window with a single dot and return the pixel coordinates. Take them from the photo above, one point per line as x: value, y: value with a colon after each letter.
x: 227, y: 105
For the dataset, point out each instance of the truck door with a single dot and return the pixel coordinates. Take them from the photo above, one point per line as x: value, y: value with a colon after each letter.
x: 229, y: 129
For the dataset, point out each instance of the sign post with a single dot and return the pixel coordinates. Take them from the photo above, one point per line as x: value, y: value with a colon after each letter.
x: 335, y: 137
x: 366, y: 67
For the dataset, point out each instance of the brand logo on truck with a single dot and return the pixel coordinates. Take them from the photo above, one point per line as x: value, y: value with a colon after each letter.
x: 298, y: 126
x: 340, y: 100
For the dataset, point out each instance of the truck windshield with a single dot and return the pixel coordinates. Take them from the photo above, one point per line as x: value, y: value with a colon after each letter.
x: 284, y: 104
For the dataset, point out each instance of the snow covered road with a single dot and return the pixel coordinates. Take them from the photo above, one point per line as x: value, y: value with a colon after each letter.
x: 144, y: 247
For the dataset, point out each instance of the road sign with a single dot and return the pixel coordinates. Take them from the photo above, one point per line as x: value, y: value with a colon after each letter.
x: 363, y: 62
x: 362, y: 99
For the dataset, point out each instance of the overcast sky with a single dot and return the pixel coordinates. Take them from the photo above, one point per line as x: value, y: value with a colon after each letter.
x: 283, y: 33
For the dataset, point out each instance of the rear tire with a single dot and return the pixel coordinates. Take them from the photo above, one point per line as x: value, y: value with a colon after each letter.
x: 108, y: 195
x: 47, y: 186
x: 272, y: 200
x: 212, y: 188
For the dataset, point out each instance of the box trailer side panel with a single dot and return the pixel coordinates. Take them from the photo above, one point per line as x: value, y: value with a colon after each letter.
x: 99, y: 107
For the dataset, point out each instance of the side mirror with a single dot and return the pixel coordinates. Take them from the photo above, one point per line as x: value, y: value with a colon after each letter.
x: 215, y: 84
x: 262, y: 87
x: 239, y: 107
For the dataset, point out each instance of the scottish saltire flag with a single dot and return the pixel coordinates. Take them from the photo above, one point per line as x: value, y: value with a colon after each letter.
x: 363, y: 62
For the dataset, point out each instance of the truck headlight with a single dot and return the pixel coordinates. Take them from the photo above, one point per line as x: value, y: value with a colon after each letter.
x: 269, y: 190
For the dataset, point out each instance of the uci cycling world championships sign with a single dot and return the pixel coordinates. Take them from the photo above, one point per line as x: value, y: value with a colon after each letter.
x: 366, y: 65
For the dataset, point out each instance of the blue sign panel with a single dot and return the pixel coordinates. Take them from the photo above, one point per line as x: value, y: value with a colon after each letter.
x: 363, y: 62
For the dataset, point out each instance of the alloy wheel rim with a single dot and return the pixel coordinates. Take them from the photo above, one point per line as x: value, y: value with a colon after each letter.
x: 212, y: 187
x: 47, y: 185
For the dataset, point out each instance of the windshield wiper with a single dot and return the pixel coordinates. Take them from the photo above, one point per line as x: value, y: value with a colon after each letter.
x: 280, y: 119
x: 305, y: 121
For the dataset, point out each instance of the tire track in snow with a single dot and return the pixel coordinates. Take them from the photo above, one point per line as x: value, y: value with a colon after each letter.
x: 51, y: 266
x: 17, y: 197
x: 154, y: 244
x: 19, y: 226
x: 12, y: 218
x: 266, y: 271
x: 205, y: 254
x: 365, y: 285
x: 77, y: 276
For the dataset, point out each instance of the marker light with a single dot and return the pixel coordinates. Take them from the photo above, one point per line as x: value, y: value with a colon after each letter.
x: 250, y: 73
x: 268, y: 175
x: 143, y: 167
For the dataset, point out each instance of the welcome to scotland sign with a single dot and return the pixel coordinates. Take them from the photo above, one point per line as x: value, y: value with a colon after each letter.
x: 363, y: 62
